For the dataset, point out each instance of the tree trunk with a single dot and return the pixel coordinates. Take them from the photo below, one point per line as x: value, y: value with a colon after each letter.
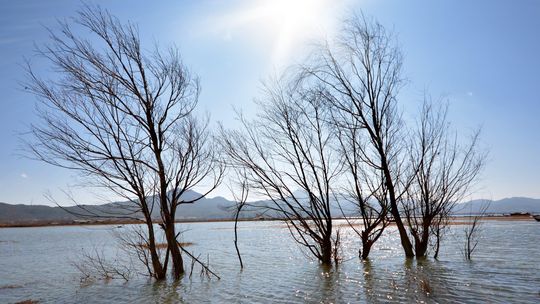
x: 421, y: 248
x: 175, y: 253
x: 326, y: 250
x: 437, y: 244
x: 405, y: 241
x: 168, y: 215
x: 236, y: 239
x: 159, y: 271
x: 421, y: 244
x: 366, y: 248
x: 468, y: 247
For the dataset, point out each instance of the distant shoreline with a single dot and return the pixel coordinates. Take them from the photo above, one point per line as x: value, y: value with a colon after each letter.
x: 114, y: 222
x: 456, y: 220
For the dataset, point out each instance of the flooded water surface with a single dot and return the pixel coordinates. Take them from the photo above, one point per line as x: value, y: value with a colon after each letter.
x: 37, y: 264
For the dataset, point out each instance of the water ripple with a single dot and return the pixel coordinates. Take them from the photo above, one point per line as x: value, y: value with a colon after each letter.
x: 35, y: 265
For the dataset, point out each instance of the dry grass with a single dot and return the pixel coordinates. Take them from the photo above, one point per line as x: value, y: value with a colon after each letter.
x: 10, y: 286
x: 164, y: 245
x: 425, y: 286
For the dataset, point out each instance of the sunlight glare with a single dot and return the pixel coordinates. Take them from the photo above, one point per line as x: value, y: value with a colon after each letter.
x: 299, y: 20
x: 290, y: 22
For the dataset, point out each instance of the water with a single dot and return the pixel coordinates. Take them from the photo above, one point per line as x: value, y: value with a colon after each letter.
x: 36, y: 263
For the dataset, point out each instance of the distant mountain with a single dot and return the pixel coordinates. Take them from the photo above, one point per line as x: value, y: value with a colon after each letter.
x: 215, y: 208
x: 31, y: 213
x: 203, y: 209
x: 504, y: 206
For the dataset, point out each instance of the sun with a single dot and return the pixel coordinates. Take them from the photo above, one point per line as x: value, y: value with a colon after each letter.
x: 292, y: 22
x: 297, y: 20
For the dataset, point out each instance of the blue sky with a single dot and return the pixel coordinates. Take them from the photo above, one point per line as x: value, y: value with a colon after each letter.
x: 483, y: 57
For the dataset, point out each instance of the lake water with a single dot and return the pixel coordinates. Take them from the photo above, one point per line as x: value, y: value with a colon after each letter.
x: 36, y: 263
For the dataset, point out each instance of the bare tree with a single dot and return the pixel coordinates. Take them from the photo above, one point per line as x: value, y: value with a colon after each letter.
x: 439, y: 228
x: 361, y: 76
x: 473, y: 231
x: 136, y: 244
x: 445, y: 169
x: 288, y: 158
x: 95, y: 266
x: 240, y: 203
x: 124, y: 119
x: 365, y: 187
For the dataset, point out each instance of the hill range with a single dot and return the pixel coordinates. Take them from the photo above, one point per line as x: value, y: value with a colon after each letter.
x: 207, y: 209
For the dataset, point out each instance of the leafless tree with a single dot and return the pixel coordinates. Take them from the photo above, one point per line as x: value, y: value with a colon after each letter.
x: 135, y: 243
x: 95, y: 266
x: 445, y: 169
x: 365, y: 188
x: 360, y: 77
x: 205, y: 266
x: 439, y: 229
x: 124, y: 119
x: 473, y: 231
x: 240, y: 203
x: 288, y: 158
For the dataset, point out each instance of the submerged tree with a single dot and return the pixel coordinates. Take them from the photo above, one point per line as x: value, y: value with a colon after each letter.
x: 445, y: 169
x: 288, y: 158
x: 124, y: 120
x: 473, y: 231
x: 361, y: 76
x: 365, y: 188
x: 240, y: 204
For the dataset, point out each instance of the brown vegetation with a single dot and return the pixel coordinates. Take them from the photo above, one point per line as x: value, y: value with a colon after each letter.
x: 28, y: 302
x: 164, y: 245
